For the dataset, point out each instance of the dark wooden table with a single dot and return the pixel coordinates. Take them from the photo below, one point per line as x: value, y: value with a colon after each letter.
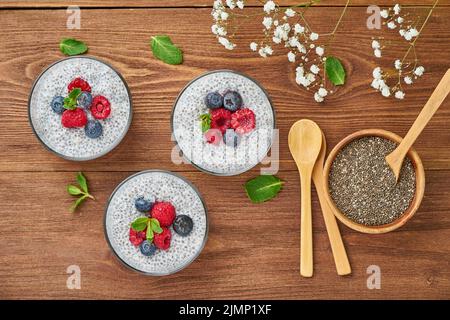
x: 252, y: 250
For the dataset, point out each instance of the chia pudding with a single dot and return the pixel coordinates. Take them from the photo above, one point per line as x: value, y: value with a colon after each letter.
x: 234, y: 99
x: 125, y: 205
x: 363, y: 186
x: 98, y: 136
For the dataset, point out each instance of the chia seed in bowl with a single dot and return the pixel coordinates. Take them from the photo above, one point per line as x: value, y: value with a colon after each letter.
x: 163, y: 186
x: 223, y: 158
x: 73, y: 143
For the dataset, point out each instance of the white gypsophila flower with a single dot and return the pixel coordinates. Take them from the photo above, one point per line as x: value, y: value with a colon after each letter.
x: 312, y: 46
x: 298, y: 28
x: 215, y: 14
x: 221, y: 31
x: 419, y: 71
x: 407, y: 36
x: 399, y: 94
x: 240, y: 4
x: 375, y: 84
x: 322, y: 92
x: 402, y: 32
x: 385, y: 91
x: 310, y: 77
x: 267, y: 22
x: 375, y: 44
x: 398, y: 64
x: 231, y: 4
x: 377, y: 53
x: 314, y: 69
x: 413, y: 32
x: 291, y: 56
x: 407, y: 80
x: 253, y: 46
x: 282, y: 31
x: 376, y: 73
x: 300, y: 70
x: 301, y: 48
x: 217, y: 4
x: 397, y: 9
x: 224, y: 15
x: 391, y: 25
x: 313, y: 36
x: 269, y: 6
x: 276, y: 40
x: 400, y: 20
x: 226, y: 43
x: 269, y: 50
x: 262, y: 52
x: 384, y: 13
x: 293, y: 42
x: 289, y: 13
x: 319, y: 51
x: 318, y: 97
x: 265, y: 51
x: 214, y: 28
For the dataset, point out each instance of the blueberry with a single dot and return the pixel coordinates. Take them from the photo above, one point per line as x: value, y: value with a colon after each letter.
x: 214, y: 100
x: 183, y: 225
x: 143, y: 205
x: 84, y: 100
x: 232, y: 100
x: 147, y: 248
x: 93, y: 129
x: 231, y: 138
x: 58, y: 104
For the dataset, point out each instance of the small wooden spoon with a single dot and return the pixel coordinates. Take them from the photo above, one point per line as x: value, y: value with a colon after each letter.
x: 395, y: 158
x: 305, y: 141
x: 337, y: 246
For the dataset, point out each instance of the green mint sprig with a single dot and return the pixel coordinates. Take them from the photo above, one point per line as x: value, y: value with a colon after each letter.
x: 335, y: 70
x: 70, y: 102
x: 263, y: 188
x: 82, y: 191
x: 152, y: 225
x: 72, y: 47
x: 164, y: 49
x: 205, y: 121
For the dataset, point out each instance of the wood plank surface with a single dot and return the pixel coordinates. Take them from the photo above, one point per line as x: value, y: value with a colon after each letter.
x: 414, y: 261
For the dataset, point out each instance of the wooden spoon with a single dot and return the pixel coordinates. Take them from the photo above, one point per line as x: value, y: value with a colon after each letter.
x: 395, y: 158
x: 305, y: 141
x: 337, y: 246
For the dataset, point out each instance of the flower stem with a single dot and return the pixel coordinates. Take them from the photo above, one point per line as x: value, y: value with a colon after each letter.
x: 330, y: 39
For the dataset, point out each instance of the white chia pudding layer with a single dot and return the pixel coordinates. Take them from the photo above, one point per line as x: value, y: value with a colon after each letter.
x: 72, y: 143
x: 222, y: 159
x: 121, y: 212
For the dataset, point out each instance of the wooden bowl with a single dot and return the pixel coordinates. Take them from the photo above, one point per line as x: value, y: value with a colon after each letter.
x: 415, y: 203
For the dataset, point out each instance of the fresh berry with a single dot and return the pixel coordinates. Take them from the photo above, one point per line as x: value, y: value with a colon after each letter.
x: 143, y: 205
x: 84, y: 100
x: 164, y: 212
x: 100, y: 107
x: 136, y: 237
x: 93, y: 129
x: 147, y: 248
x: 214, y: 100
x: 243, y: 121
x: 183, y: 225
x: 220, y: 119
x: 57, y: 104
x: 162, y: 240
x: 74, y: 118
x: 213, y: 136
x: 79, y: 83
x: 231, y: 138
x: 232, y: 101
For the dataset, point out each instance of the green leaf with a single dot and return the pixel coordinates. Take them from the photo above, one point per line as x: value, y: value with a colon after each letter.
x: 263, y: 188
x: 149, y: 234
x: 72, y: 47
x: 73, y: 190
x: 82, y: 182
x: 154, y: 225
x: 77, y: 202
x: 206, y: 121
x: 70, y: 102
x: 165, y: 50
x: 139, y: 224
x: 335, y: 71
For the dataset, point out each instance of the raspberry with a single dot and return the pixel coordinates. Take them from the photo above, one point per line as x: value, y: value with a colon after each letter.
x: 100, y: 107
x: 74, y: 118
x: 164, y: 212
x: 243, y: 121
x: 162, y: 240
x: 136, y: 237
x: 79, y: 83
x: 220, y: 119
x: 213, y: 136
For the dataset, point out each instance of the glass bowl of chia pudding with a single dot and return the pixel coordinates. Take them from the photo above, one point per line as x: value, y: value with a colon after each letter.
x: 94, y: 119
x: 161, y: 255
x: 223, y: 122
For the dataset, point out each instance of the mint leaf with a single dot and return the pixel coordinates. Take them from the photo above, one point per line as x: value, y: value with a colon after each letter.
x: 70, y: 102
x: 154, y: 225
x: 77, y: 202
x: 72, y: 47
x: 149, y: 234
x: 164, y: 49
x: 263, y: 188
x: 335, y: 70
x: 206, y: 122
x: 139, y: 224
x: 73, y: 190
x: 82, y: 182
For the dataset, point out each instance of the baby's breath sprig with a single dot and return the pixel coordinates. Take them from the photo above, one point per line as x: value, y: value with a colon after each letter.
x: 289, y: 28
x: 406, y: 70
